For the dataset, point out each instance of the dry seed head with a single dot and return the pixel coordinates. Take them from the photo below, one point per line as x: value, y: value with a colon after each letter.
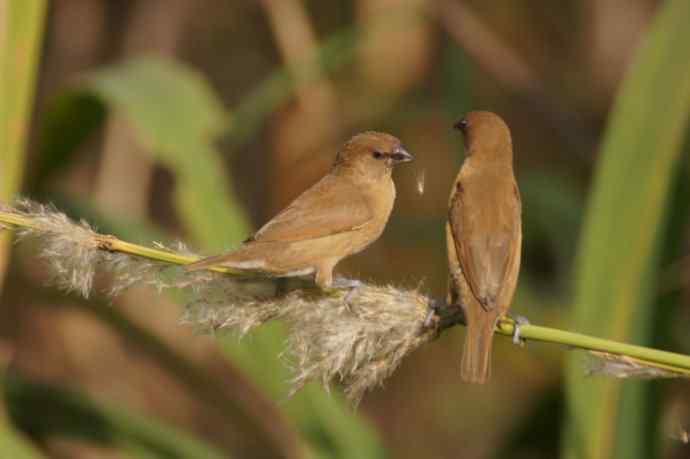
x: 621, y: 366
x: 74, y: 254
x: 356, y: 343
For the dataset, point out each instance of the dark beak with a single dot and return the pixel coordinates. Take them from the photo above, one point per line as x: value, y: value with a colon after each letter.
x: 400, y: 155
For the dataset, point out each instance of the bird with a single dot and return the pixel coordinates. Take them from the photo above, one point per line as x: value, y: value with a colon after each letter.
x: 483, y: 237
x: 338, y: 216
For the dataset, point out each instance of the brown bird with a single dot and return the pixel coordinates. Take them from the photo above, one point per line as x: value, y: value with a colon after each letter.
x: 483, y: 237
x: 337, y: 217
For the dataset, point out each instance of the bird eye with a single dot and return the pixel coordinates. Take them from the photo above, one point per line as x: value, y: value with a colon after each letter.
x: 377, y: 154
x: 462, y: 125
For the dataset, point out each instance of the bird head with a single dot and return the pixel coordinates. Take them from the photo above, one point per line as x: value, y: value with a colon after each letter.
x: 372, y: 153
x: 486, y: 135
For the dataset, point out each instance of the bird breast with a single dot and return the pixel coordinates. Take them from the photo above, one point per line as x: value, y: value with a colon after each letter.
x: 381, y: 198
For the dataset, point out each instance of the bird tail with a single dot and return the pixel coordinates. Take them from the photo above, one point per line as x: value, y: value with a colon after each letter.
x: 207, y: 262
x: 243, y: 259
x: 476, y: 355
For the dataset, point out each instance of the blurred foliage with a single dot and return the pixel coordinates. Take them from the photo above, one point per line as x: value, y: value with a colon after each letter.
x: 423, y: 411
x: 72, y: 414
x: 71, y: 118
x: 619, y: 253
x: 324, y: 418
x: 177, y: 117
x: 552, y: 213
x: 14, y: 446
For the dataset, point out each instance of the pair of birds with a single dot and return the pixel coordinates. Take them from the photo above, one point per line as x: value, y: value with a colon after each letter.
x: 348, y: 209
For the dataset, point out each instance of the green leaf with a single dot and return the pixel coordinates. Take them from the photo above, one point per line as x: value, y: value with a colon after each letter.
x: 177, y: 117
x: 45, y: 410
x: 21, y: 29
x: 618, y: 256
x: 279, y: 87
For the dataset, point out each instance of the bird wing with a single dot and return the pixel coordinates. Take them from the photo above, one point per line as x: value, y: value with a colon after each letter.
x: 485, y: 225
x: 333, y: 205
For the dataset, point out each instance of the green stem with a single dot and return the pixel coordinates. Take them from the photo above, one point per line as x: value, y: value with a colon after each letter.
x: 669, y: 361
x: 111, y: 243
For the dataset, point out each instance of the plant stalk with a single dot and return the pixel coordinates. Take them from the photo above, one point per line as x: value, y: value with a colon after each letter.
x: 450, y: 315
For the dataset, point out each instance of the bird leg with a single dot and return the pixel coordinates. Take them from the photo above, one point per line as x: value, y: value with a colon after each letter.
x: 323, y: 277
x: 344, y: 283
x: 350, y: 284
x: 517, y: 322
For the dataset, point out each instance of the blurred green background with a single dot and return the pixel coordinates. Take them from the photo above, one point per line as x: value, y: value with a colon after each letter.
x: 199, y: 120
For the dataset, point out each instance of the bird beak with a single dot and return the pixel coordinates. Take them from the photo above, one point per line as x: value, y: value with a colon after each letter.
x: 400, y: 155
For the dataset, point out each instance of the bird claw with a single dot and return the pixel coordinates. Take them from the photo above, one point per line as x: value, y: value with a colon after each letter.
x: 347, y: 284
x: 429, y: 318
x: 343, y: 283
x: 517, y: 322
x: 432, y: 315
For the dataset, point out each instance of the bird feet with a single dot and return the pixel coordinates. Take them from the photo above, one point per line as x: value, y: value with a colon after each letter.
x: 432, y: 317
x: 517, y: 322
x: 352, y: 285
x: 344, y: 283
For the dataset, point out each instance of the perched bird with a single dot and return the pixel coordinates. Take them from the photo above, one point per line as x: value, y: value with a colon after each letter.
x: 337, y: 217
x: 483, y: 237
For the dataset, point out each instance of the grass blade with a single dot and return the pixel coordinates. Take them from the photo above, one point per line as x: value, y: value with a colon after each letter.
x: 21, y: 30
x: 622, y: 237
